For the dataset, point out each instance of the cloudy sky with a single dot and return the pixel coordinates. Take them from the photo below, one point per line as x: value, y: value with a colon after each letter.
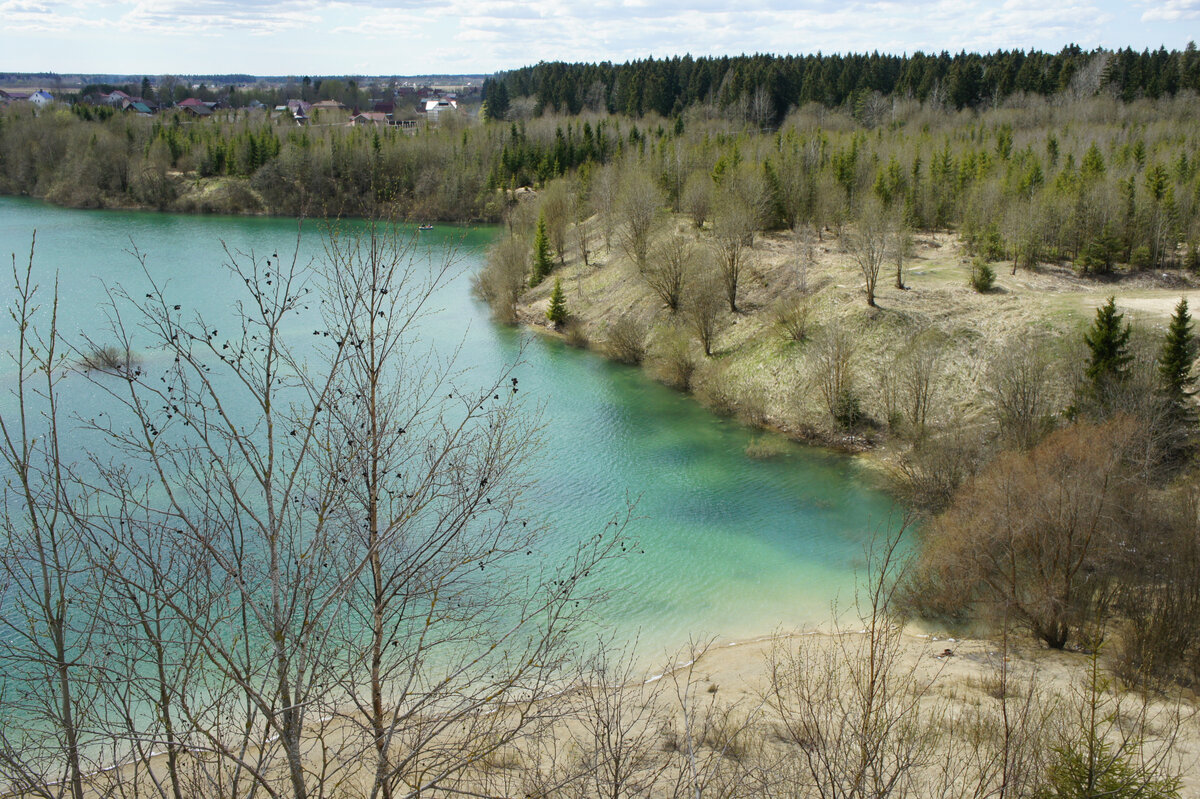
x: 387, y: 37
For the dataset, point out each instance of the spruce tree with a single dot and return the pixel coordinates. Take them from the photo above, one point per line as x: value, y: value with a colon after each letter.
x: 1175, y: 362
x: 541, y: 253
x: 557, y: 312
x: 1108, y: 340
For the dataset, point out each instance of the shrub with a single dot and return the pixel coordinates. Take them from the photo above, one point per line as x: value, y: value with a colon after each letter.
x: 677, y: 362
x: 716, y: 389
x: 575, y: 334
x: 983, y: 276
x: 110, y: 358
x: 1141, y: 258
x: 625, y: 341
x: 791, y: 315
x: 847, y: 410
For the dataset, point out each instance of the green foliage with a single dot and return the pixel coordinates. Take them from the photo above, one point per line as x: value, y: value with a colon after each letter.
x: 847, y: 410
x: 542, y: 263
x: 557, y: 312
x: 983, y: 276
x: 1099, y: 254
x: 1098, y: 761
x: 1093, y: 770
x: 668, y: 86
x: 1108, y: 341
x: 1175, y: 361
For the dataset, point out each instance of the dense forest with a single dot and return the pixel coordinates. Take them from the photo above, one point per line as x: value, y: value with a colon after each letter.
x: 764, y: 87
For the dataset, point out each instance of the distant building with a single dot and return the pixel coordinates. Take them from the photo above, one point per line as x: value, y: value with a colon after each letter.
x: 436, y: 105
x: 41, y: 98
x: 370, y: 118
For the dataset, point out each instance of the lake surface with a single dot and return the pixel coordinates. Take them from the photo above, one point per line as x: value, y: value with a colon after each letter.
x: 727, y: 545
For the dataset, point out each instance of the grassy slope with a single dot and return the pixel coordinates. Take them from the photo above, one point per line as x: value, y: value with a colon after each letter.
x: 766, y: 371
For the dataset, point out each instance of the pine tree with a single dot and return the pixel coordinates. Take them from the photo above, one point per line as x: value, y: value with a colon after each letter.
x: 557, y: 313
x: 1108, y: 340
x: 1175, y: 362
x: 541, y: 253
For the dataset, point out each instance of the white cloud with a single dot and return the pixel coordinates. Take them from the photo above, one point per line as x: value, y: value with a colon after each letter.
x: 397, y: 36
x: 201, y: 17
x: 1171, y: 11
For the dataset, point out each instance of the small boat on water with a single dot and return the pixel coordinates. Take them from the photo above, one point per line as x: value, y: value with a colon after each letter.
x: 425, y: 227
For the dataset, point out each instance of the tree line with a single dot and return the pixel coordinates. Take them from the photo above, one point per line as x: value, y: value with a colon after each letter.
x: 763, y: 87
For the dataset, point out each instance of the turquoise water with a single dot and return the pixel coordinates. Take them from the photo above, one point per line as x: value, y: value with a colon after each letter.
x: 726, y: 545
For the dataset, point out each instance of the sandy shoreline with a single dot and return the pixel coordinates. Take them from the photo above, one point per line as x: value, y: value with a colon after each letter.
x: 733, y: 676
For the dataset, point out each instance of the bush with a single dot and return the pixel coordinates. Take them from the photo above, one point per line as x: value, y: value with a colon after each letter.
x: 677, y: 362
x: 716, y: 389
x: 791, y: 315
x: 110, y: 358
x: 626, y: 340
x: 1140, y: 258
x: 847, y: 410
x: 983, y: 276
x: 575, y: 334
x: 932, y: 471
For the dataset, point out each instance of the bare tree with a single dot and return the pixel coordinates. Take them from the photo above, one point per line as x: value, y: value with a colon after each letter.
x: 833, y: 371
x: 1037, y: 533
x: 804, y: 243
x: 762, y: 108
x: 502, y: 280
x: 640, y: 206
x: 606, y: 187
x: 426, y: 516
x: 848, y: 706
x: 47, y: 626
x: 733, y: 235
x: 918, y: 369
x: 867, y: 244
x: 667, y: 268
x: 698, y: 197
x: 618, y: 729
x: 289, y: 549
x: 580, y: 209
x: 702, y: 309
x: 709, y: 737
x: 1022, y: 393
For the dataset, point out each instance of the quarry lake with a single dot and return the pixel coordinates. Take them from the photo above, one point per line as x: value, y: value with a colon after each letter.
x: 726, y: 544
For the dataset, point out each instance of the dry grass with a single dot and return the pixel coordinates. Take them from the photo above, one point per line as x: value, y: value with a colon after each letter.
x: 765, y: 374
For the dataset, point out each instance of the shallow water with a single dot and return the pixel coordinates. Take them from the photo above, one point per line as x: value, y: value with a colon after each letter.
x: 727, y: 545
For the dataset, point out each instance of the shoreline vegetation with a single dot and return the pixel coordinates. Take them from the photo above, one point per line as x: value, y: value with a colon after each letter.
x: 986, y: 282
x: 724, y: 714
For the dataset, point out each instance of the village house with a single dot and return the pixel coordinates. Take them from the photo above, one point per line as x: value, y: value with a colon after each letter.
x: 437, y: 105
x: 370, y: 118
x: 39, y: 98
